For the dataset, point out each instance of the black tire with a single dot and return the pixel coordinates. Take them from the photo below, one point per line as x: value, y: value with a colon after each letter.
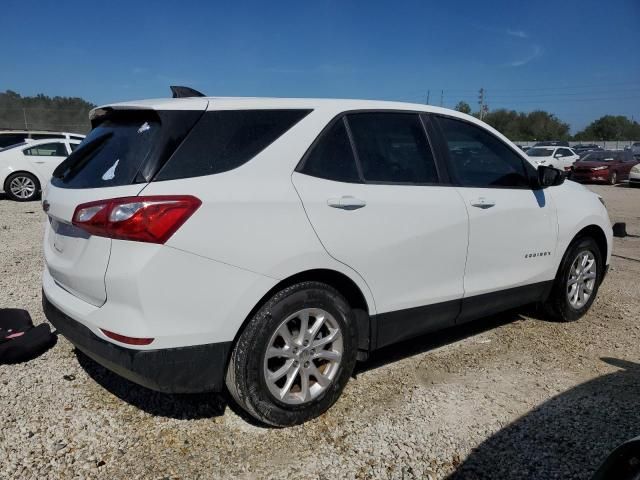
x: 557, y: 306
x: 245, y: 377
x: 26, y: 176
x: 613, y: 178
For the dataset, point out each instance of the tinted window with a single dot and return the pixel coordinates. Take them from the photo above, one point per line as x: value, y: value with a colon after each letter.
x: 7, y: 140
x: 224, y: 140
x: 76, y: 137
x: 73, y: 146
x: 332, y: 157
x: 110, y: 156
x: 47, y: 150
x: 392, y: 147
x: 479, y: 159
x: 44, y: 136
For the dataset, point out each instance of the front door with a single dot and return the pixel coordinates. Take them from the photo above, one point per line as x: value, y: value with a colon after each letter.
x: 512, y: 227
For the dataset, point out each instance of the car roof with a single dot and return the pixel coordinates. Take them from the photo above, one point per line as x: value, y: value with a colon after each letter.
x: 31, y: 143
x: 246, y: 103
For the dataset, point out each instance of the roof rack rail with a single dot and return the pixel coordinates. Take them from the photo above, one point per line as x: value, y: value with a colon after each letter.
x: 184, y: 92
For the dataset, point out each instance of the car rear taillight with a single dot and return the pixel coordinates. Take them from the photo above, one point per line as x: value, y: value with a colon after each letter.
x: 151, y: 219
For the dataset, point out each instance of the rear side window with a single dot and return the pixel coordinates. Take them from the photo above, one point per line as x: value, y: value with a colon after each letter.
x: 224, y: 140
x: 392, y: 147
x: 47, y: 150
x: 479, y: 159
x: 332, y: 156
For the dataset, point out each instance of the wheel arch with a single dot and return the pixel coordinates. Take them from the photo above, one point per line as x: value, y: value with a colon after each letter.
x: 595, y: 232
x: 344, y: 285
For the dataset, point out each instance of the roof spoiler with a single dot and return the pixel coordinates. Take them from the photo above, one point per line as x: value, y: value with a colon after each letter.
x: 184, y: 92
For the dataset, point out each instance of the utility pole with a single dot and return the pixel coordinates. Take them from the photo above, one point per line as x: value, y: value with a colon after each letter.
x: 481, y: 103
x: 24, y: 114
x: 441, y: 96
x: 428, y: 95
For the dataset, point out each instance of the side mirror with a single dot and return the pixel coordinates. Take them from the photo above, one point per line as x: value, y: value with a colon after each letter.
x: 557, y: 155
x: 549, y: 176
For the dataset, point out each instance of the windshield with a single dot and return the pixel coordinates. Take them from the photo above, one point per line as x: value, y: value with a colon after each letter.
x: 540, y: 152
x: 598, y: 157
x: 13, y: 146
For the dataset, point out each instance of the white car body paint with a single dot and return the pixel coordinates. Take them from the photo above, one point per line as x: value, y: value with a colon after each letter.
x: 262, y: 222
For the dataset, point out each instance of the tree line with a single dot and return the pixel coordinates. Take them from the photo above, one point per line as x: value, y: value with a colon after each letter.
x: 71, y: 114
x: 41, y: 112
x: 541, y: 125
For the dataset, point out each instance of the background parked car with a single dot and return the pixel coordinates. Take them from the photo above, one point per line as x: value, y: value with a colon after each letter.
x: 25, y: 167
x: 611, y: 166
x: 13, y: 137
x: 552, y: 143
x: 582, y: 149
x: 634, y: 176
x: 635, y: 149
x: 561, y: 158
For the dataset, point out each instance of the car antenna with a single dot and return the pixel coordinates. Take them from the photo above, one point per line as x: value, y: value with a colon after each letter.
x: 184, y: 92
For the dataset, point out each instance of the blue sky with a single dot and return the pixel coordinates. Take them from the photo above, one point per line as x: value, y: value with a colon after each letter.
x: 577, y: 59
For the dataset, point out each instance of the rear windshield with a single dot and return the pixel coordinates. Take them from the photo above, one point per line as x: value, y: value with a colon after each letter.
x: 110, y: 156
x: 125, y: 148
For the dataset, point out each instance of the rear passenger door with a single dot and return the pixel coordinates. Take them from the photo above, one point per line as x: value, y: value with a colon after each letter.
x: 512, y: 226
x: 379, y: 203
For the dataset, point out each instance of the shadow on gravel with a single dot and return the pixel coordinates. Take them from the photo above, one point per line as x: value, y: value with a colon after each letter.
x: 429, y: 341
x: 180, y: 406
x: 567, y: 437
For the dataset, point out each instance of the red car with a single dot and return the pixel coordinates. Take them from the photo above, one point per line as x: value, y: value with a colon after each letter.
x: 611, y: 166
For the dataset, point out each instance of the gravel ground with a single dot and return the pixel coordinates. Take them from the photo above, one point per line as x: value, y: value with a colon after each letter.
x: 511, y: 396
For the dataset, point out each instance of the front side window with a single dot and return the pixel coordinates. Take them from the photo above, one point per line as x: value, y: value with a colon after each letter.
x: 47, y: 150
x: 479, y: 159
x: 332, y: 156
x: 392, y: 147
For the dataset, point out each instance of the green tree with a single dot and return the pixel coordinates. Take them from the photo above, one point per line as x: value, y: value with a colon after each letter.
x: 536, y: 125
x: 463, y: 107
x: 69, y: 114
x: 610, y: 127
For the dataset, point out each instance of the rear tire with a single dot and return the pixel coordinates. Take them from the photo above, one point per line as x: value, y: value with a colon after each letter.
x: 576, y: 284
x: 22, y: 187
x: 283, y: 374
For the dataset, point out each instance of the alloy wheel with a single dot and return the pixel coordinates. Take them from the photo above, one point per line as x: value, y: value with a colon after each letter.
x: 22, y: 187
x: 582, y: 279
x: 303, y: 356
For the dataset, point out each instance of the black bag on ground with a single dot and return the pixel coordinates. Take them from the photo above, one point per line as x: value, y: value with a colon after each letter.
x: 19, y: 339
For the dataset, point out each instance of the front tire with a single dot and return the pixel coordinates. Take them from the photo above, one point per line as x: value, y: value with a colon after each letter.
x: 294, y: 357
x: 22, y: 187
x: 576, y: 284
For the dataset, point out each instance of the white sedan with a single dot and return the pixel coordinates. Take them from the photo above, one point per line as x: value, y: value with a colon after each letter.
x: 561, y: 158
x: 25, y: 167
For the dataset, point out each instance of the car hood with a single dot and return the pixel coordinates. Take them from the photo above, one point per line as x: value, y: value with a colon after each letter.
x: 591, y: 164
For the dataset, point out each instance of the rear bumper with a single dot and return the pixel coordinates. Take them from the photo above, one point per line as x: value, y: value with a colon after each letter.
x: 199, y: 368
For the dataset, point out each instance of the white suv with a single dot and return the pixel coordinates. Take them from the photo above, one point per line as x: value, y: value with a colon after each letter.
x: 268, y: 244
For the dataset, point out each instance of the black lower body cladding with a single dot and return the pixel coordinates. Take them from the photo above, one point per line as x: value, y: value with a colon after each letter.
x: 193, y: 369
